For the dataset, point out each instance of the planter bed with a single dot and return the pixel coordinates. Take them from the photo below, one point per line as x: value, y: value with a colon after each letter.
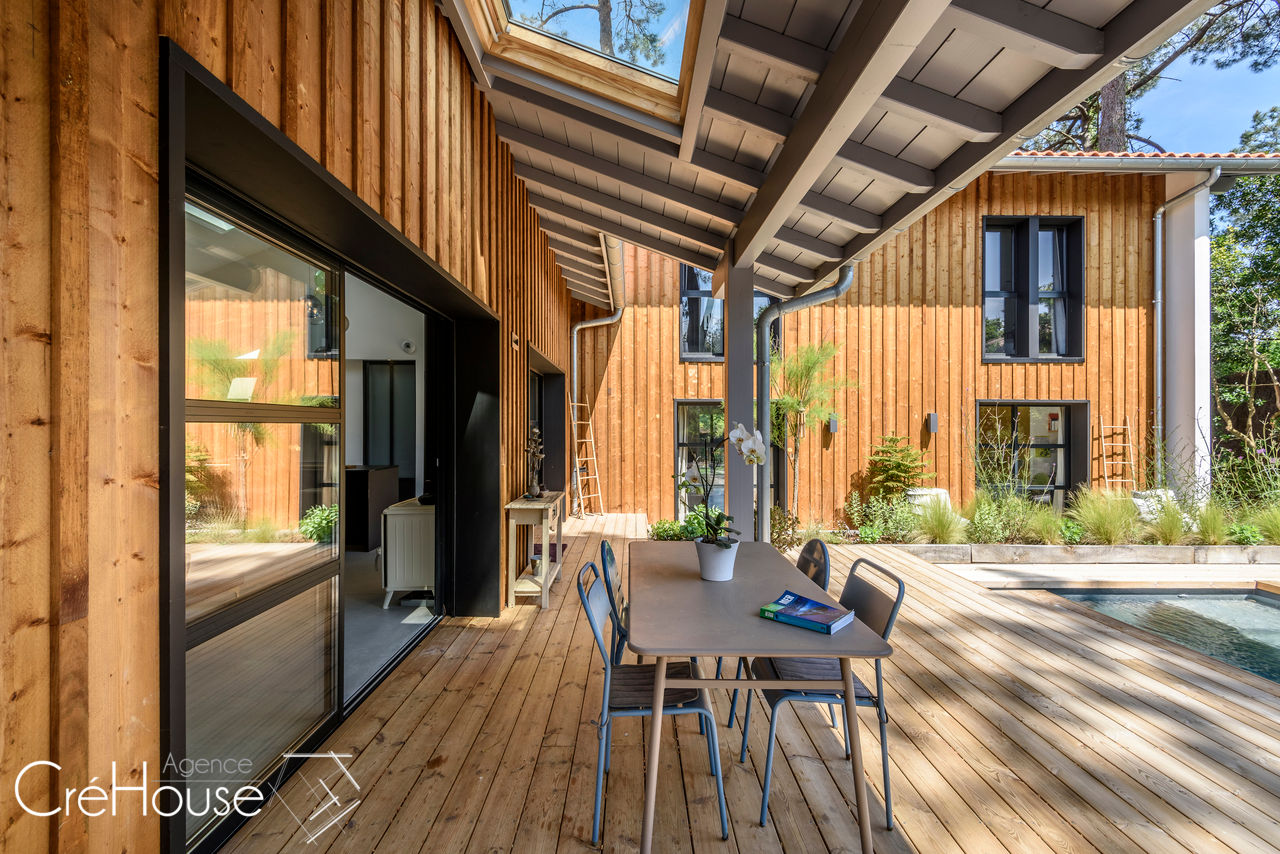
x: 1002, y: 553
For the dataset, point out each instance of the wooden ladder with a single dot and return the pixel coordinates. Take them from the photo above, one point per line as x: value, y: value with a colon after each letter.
x: 1117, y: 454
x: 586, y: 481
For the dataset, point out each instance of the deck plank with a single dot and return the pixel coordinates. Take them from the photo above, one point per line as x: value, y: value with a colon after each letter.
x: 1018, y: 722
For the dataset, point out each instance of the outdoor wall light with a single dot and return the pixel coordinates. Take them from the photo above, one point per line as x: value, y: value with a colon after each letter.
x: 931, y: 422
x: 833, y: 425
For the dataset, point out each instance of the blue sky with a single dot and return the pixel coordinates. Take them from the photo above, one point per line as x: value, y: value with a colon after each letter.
x: 1200, y: 108
x: 583, y: 26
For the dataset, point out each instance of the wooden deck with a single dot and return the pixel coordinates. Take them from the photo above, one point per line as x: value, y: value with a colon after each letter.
x: 1020, y: 723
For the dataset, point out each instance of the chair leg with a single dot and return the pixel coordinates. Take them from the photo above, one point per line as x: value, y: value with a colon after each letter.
x: 608, y: 745
x: 844, y: 725
x: 713, y: 747
x: 884, y: 758
x: 602, y: 759
x: 768, y: 766
x: 733, y: 706
x: 719, y: 665
x: 746, y: 725
x: 831, y: 710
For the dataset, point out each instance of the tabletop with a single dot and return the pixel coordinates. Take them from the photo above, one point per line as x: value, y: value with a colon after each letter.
x: 542, y: 502
x: 673, y: 612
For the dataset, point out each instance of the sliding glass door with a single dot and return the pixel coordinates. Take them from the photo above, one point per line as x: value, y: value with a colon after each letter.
x: 263, y: 467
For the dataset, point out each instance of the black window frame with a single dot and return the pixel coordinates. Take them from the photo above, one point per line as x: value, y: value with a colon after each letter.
x: 680, y: 444
x: 1076, y: 445
x: 692, y: 287
x: 1024, y: 294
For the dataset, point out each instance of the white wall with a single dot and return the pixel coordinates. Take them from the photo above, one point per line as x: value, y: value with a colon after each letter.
x: 1187, y: 389
x: 378, y: 325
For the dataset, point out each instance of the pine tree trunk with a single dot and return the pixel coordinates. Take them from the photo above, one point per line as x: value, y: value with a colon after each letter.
x: 1113, y: 116
x: 605, y: 12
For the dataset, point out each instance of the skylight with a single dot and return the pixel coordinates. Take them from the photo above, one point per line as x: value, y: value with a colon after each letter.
x: 646, y: 34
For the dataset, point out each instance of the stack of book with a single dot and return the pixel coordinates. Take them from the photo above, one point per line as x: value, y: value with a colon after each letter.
x: 796, y: 610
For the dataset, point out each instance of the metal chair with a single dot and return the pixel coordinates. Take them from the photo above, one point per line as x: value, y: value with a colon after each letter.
x: 815, y: 562
x: 628, y: 692
x: 879, y: 611
x: 617, y: 599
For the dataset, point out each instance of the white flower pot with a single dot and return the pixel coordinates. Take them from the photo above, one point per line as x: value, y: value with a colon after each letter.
x: 716, y: 563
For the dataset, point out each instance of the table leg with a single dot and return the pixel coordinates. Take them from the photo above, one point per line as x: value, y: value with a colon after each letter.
x: 855, y: 748
x: 546, y: 559
x: 511, y: 562
x: 655, y: 743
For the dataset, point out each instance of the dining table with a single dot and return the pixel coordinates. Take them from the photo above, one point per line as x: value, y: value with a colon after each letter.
x: 673, y: 613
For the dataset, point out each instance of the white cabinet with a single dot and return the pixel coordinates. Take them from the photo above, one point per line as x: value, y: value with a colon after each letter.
x: 408, y: 547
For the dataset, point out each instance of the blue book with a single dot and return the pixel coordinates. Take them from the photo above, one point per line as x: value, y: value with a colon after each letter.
x: 796, y: 610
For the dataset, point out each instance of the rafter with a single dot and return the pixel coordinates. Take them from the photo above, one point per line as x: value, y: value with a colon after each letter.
x: 538, y: 177
x: 879, y: 41
x: 584, y: 239
x: 851, y: 215
x: 622, y: 232
x: 704, y: 57
x: 772, y: 287
x: 1028, y: 29
x: 791, y: 269
x: 572, y: 250
x: 813, y: 245
x: 929, y: 106
x: 877, y: 164
x: 570, y: 263
x: 748, y: 115
x: 578, y: 159
x: 790, y: 56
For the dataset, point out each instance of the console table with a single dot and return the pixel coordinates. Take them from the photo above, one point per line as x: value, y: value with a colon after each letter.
x: 546, y: 510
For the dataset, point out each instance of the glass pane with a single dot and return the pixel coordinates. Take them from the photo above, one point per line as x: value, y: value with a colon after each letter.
x: 253, y: 692
x: 999, y: 326
x: 261, y: 507
x: 1050, y: 253
x: 643, y: 33
x: 261, y: 322
x: 1053, y: 327
x: 697, y: 425
x: 998, y: 259
x: 701, y: 327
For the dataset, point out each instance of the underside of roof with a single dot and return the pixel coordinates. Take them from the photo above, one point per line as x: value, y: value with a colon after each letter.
x: 812, y: 130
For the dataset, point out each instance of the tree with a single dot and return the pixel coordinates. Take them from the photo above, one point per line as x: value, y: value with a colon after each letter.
x: 626, y: 26
x: 1232, y: 32
x: 1245, y: 298
x: 801, y: 393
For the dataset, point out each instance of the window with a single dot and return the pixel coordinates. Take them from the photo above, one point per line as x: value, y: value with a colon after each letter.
x: 702, y: 316
x: 697, y: 423
x: 1025, y: 448
x: 1033, y: 288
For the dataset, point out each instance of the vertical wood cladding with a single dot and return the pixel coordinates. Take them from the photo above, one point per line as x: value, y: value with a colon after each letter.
x: 910, y: 344
x: 379, y: 93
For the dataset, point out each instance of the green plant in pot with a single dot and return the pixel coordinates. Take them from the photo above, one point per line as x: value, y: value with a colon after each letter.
x: 717, y: 547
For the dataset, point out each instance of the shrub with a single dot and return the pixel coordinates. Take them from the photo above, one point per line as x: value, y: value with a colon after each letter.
x: 1211, y: 524
x: 1244, y: 534
x: 987, y: 524
x: 853, y: 506
x: 782, y: 529
x: 1044, y: 526
x: 1107, y: 517
x: 1072, y: 533
x: 318, y: 523
x: 894, y: 520
x: 895, y: 466
x: 665, y: 529
x: 1268, y: 522
x: 870, y: 534
x: 1169, y: 528
x: 939, y: 523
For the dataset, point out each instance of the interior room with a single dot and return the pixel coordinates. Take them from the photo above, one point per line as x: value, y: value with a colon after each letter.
x: 387, y: 492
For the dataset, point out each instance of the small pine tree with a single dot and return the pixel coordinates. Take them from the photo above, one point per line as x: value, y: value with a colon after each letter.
x: 895, y: 466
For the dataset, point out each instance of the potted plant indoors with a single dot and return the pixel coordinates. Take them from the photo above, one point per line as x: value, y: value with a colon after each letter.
x: 717, y: 549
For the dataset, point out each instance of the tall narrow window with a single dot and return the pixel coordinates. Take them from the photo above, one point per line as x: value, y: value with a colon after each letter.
x: 1032, y: 288
x: 697, y: 423
x: 701, y: 317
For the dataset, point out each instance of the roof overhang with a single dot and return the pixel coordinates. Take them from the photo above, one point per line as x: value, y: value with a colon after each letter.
x: 802, y: 135
x: 1231, y: 164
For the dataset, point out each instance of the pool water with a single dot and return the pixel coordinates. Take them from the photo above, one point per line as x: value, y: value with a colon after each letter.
x: 1242, y: 629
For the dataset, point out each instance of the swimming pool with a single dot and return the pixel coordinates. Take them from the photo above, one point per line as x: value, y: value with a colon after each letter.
x: 1238, y: 627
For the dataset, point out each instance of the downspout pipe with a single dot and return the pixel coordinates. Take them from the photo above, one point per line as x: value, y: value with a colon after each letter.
x: 764, y: 496
x: 612, y: 249
x: 1158, y: 299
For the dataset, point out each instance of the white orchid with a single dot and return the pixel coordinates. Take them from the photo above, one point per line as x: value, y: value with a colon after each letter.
x: 753, y: 449
x: 738, y: 435
x: 692, y: 477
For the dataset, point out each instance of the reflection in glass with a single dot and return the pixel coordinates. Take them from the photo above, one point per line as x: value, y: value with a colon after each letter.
x: 255, y: 690
x: 1053, y: 327
x: 261, y: 322
x: 1023, y: 449
x: 648, y: 34
x: 1051, y: 247
x: 696, y: 422
x: 261, y: 507
x: 998, y: 324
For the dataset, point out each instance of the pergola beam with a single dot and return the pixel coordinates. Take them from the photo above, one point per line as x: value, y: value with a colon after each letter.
x: 572, y: 250
x: 791, y: 269
x: 539, y: 178
x: 578, y: 159
x: 970, y: 122
x: 704, y: 57
x: 825, y: 250
x: 879, y: 41
x: 772, y: 288
x: 622, y: 232
x: 748, y: 115
x: 587, y: 240
x: 790, y: 56
x: 569, y: 263
x: 851, y: 215
x: 1029, y: 29
x: 882, y: 166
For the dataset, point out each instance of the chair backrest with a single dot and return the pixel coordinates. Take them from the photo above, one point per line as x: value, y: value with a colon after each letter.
x: 815, y: 562
x: 593, y: 592
x: 869, y: 603
x: 613, y: 578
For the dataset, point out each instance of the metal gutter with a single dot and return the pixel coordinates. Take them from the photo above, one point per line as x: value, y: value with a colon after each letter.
x: 1151, y: 165
x: 1157, y: 301
x: 764, y: 497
